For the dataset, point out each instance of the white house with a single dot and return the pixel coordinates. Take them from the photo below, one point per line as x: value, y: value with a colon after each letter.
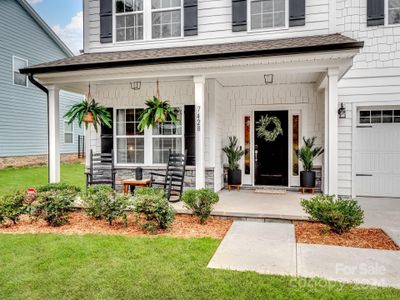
x: 227, y: 63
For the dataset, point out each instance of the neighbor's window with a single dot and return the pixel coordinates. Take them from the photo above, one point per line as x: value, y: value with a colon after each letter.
x: 394, y: 11
x: 267, y: 14
x: 166, y: 18
x: 68, y: 133
x: 130, y: 142
x: 129, y: 20
x: 18, y: 78
x: 167, y: 137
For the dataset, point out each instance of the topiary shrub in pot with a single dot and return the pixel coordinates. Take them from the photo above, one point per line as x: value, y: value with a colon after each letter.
x: 306, y: 154
x: 200, y: 202
x: 234, y: 153
x: 339, y: 215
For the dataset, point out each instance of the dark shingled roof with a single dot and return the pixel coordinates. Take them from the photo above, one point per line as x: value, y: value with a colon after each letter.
x: 87, y: 61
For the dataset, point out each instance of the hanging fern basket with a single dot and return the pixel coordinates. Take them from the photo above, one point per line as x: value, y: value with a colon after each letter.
x: 264, y: 133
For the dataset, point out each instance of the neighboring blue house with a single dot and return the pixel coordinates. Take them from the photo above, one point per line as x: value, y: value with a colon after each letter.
x: 27, y: 40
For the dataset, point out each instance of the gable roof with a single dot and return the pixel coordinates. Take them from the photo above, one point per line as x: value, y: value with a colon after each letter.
x: 45, y: 27
x: 287, y: 46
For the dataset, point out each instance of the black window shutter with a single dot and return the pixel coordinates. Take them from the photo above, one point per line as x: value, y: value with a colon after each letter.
x: 239, y: 15
x: 297, y: 13
x: 106, y: 21
x: 190, y: 17
x: 375, y: 12
x: 190, y: 134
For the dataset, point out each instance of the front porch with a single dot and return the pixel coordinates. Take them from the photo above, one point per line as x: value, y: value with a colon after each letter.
x: 250, y: 206
x: 218, y: 96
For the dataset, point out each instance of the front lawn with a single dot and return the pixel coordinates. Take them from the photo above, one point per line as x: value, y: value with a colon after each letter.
x: 12, y: 179
x: 116, y: 267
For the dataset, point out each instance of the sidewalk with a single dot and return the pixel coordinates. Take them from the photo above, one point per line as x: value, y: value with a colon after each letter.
x: 271, y: 248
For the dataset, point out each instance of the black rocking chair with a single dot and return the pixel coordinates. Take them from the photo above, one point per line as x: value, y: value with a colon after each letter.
x: 173, y: 179
x: 101, y: 169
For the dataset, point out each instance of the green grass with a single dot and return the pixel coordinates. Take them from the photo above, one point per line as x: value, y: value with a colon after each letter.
x: 12, y: 179
x: 117, y: 267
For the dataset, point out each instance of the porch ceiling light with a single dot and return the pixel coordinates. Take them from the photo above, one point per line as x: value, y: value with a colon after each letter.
x: 269, y: 79
x: 136, y: 85
x: 342, y: 112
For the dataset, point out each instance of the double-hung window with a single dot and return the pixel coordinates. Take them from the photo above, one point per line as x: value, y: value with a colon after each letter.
x: 393, y: 11
x: 129, y: 20
x: 268, y: 14
x: 68, y: 133
x: 18, y: 78
x: 167, y: 137
x: 166, y: 18
x: 129, y: 140
x: 150, y: 147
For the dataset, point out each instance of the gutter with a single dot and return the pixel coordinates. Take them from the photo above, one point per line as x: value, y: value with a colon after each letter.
x: 44, y: 89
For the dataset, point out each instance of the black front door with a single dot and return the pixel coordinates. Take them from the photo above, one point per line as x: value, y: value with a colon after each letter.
x: 271, y: 157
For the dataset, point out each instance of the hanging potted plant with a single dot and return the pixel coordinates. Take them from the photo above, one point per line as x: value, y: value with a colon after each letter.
x: 157, y: 111
x: 89, y: 112
x: 306, y: 154
x: 234, y: 153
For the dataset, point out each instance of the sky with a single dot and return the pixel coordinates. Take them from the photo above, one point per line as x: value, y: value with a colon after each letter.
x: 65, y: 17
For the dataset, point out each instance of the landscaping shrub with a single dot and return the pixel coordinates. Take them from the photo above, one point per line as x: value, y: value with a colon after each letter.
x: 58, y: 187
x: 338, y: 214
x: 53, y: 206
x: 12, y: 206
x: 102, y: 202
x: 200, y: 202
x: 153, y: 204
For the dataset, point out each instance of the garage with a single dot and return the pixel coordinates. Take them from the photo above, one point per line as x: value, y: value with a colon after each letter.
x: 377, y: 152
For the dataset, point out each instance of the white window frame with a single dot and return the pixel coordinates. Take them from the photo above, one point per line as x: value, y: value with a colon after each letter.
x: 115, y: 15
x: 387, y: 15
x: 69, y: 132
x: 148, y: 139
x: 147, y: 24
x: 285, y: 27
x: 13, y: 65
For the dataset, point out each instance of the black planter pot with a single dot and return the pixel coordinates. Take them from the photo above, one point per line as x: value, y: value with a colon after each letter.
x: 307, y: 179
x: 234, y: 177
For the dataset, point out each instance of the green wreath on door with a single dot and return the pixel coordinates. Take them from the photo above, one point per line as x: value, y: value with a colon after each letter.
x: 269, y: 135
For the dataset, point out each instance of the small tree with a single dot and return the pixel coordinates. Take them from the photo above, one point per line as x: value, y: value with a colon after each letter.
x: 233, y: 152
x: 308, y: 153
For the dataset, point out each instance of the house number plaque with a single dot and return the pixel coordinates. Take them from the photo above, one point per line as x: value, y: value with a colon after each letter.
x: 198, y: 128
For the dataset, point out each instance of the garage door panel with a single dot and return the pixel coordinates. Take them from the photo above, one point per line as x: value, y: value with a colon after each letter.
x: 377, y: 160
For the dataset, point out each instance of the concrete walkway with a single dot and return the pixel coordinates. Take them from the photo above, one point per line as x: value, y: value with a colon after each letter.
x: 270, y: 248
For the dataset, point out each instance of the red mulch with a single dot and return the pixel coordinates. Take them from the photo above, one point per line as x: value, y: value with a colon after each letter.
x: 184, y: 226
x: 372, y: 238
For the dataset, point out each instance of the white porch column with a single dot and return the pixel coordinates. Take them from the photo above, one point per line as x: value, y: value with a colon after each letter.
x: 199, y: 95
x: 332, y: 124
x: 54, y: 134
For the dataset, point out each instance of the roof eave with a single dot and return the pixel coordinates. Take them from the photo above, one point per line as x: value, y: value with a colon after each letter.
x: 192, y: 58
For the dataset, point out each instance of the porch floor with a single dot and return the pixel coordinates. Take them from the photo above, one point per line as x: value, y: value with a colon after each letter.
x: 249, y: 205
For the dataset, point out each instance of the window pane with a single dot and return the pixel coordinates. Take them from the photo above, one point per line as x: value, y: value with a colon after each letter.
x: 161, y: 147
x: 166, y: 24
x: 279, y: 19
x: 268, y: 14
x: 396, y: 116
x: 394, y: 16
x: 394, y: 3
x: 130, y: 150
x: 68, y: 138
x: 20, y: 79
x: 68, y: 127
x: 123, y: 6
x: 376, y: 116
x: 130, y: 27
x: 387, y: 116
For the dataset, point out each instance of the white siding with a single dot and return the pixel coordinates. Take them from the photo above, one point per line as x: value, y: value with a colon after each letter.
x: 215, y: 26
x: 374, y: 77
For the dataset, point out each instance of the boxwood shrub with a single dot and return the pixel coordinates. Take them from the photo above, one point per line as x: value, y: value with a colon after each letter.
x: 340, y: 215
x: 200, y: 202
x: 12, y: 206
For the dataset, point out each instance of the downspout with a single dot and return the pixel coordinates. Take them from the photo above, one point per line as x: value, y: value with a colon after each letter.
x: 44, y: 89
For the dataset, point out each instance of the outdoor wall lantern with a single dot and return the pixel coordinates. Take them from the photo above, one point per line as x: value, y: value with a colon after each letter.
x: 136, y: 85
x: 342, y: 112
x: 269, y: 78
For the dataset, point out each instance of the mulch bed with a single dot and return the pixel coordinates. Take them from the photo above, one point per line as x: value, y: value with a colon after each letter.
x: 372, y: 238
x: 184, y: 226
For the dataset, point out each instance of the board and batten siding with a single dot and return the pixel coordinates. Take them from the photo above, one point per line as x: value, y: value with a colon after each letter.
x: 23, y: 110
x: 374, y: 78
x: 214, y: 26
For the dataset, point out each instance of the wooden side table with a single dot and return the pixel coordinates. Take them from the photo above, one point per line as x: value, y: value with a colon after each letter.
x: 305, y: 189
x: 135, y: 183
x: 233, y: 186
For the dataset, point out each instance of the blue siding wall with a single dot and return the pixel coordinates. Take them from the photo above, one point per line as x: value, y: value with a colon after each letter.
x: 23, y: 111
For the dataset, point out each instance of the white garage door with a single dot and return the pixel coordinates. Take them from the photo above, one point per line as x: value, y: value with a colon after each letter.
x: 377, y: 153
